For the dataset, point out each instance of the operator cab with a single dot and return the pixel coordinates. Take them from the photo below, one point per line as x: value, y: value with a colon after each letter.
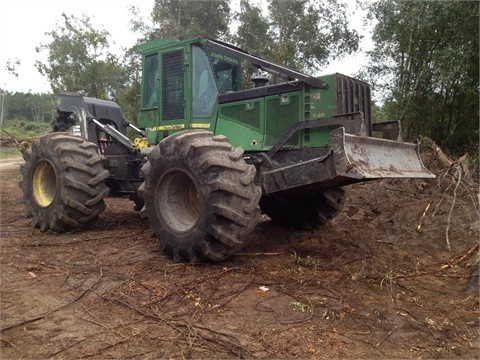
x: 196, y: 84
x: 181, y: 84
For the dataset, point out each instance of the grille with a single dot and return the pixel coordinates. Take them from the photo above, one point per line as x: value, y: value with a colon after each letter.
x: 352, y: 96
x: 173, y: 85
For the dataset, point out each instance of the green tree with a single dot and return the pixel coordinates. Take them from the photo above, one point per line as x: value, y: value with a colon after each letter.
x: 79, y: 59
x: 128, y: 97
x: 253, y: 32
x: 252, y: 35
x: 301, y: 34
x: 37, y: 107
x: 182, y: 19
x: 308, y: 34
x: 141, y: 25
x: 11, y: 67
x: 425, y: 64
x: 28, y: 106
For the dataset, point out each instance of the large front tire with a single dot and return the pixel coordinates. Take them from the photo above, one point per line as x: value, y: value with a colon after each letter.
x: 305, y: 211
x: 200, y: 197
x: 63, y: 183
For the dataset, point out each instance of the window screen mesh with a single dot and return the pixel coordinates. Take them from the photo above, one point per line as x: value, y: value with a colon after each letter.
x: 173, y: 86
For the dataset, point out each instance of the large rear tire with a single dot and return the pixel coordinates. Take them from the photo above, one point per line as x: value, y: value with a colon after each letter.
x: 63, y: 183
x: 305, y: 211
x: 200, y: 196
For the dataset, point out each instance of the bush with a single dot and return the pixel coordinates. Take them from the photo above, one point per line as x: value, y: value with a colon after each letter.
x: 23, y: 129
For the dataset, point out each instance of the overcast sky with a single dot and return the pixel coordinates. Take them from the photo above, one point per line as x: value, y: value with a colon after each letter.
x: 23, y: 24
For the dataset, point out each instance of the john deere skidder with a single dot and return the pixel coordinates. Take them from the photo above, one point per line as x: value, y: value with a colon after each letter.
x: 211, y: 156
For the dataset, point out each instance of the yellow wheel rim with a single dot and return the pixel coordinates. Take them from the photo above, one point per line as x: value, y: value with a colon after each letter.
x: 44, y: 183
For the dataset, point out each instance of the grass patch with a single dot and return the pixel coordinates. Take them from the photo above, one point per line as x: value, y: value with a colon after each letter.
x: 9, y: 152
x: 19, y: 129
x: 22, y: 129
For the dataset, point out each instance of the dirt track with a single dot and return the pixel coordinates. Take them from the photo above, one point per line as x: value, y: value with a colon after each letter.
x: 368, y: 285
x: 10, y: 163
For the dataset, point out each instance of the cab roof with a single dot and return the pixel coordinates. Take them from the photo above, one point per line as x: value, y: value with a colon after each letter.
x: 164, y: 43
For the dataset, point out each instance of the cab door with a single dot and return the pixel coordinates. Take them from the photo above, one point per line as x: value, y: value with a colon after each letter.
x: 149, y: 107
x: 204, y: 92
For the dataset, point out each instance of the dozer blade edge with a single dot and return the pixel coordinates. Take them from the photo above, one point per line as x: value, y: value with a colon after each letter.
x: 359, y: 157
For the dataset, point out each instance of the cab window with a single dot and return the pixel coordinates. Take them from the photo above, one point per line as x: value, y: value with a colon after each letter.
x: 204, y: 87
x: 226, y: 69
x: 150, y: 80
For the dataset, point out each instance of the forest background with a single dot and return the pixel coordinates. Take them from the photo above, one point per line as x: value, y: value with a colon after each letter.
x: 423, y: 66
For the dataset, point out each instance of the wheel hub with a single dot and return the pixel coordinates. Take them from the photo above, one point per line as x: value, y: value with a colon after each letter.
x: 44, y: 183
x: 178, y: 202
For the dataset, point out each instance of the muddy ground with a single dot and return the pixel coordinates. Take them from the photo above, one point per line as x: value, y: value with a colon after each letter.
x: 368, y: 285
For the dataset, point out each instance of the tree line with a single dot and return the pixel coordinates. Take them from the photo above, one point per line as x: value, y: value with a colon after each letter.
x: 423, y: 67
x: 425, y: 64
x: 27, y: 106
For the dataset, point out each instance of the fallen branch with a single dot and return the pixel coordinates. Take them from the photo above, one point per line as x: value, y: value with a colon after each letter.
x: 453, y: 262
x: 186, y: 328
x: 458, y: 259
x: 11, y: 136
x: 423, y: 216
x: 115, y: 236
x: 261, y: 254
x: 461, y: 172
x: 449, y: 218
x: 385, y: 337
x: 444, y: 158
x: 54, y: 310
x: 11, y: 345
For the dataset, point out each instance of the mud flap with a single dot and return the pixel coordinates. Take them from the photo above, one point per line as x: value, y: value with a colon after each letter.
x: 359, y: 157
